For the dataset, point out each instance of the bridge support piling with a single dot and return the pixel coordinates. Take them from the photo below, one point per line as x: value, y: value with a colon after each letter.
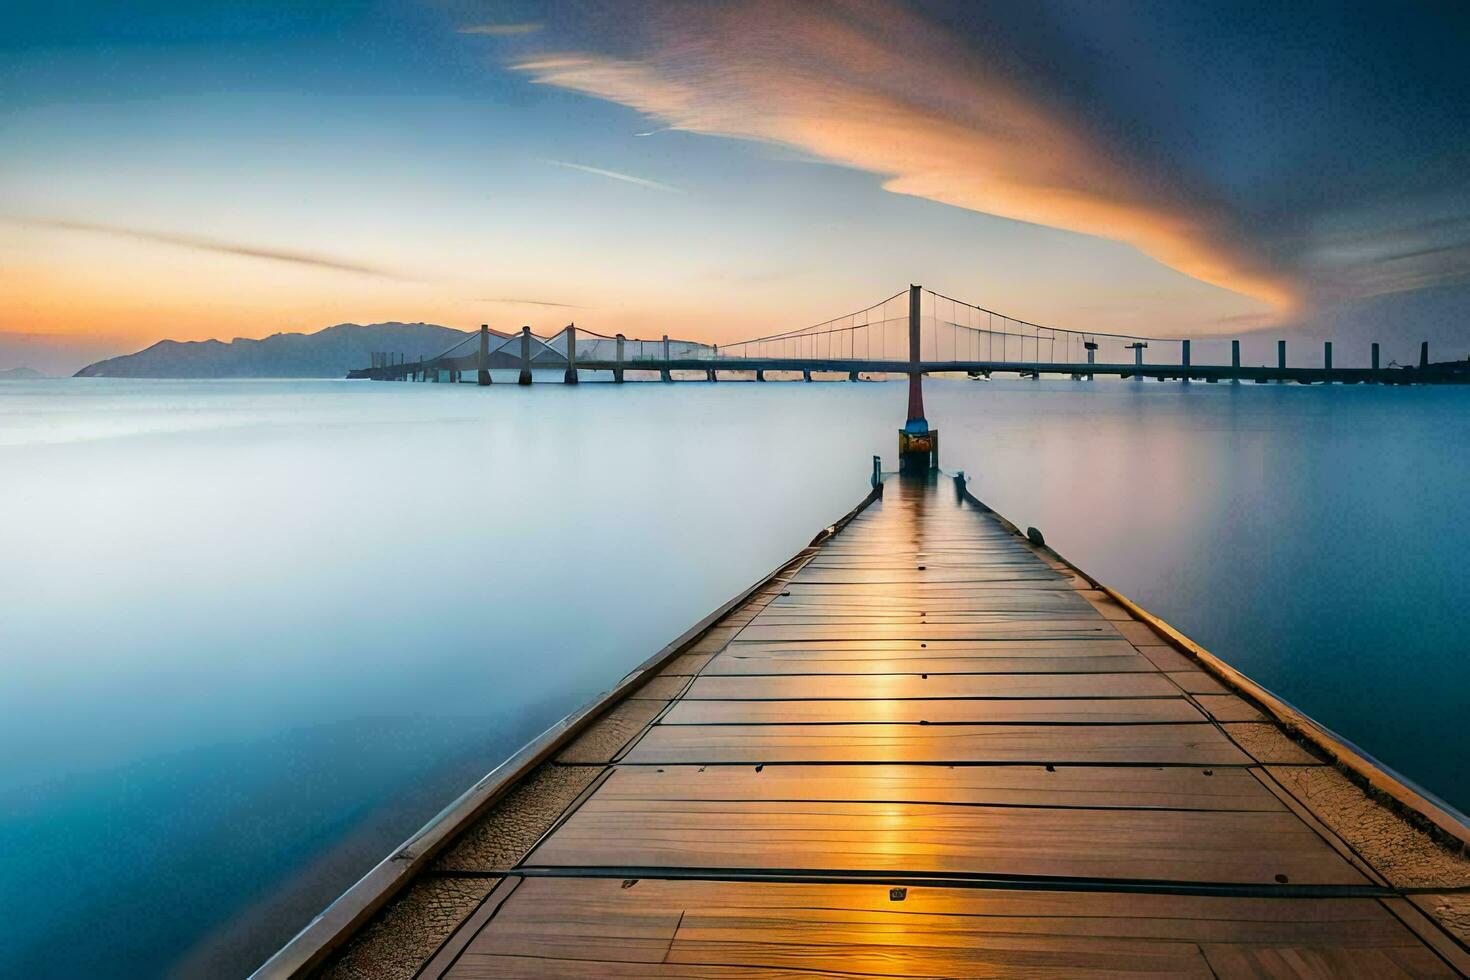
x: 663, y: 374
x: 524, y: 378
x: 1137, y: 348
x: 1235, y: 361
x: 918, y: 445
x: 1281, y: 360
x: 1374, y: 362
x: 1424, y: 355
x: 1327, y: 355
x: 483, y: 364
x: 714, y: 375
x: 1184, y: 356
x: 571, y: 376
x: 618, y: 371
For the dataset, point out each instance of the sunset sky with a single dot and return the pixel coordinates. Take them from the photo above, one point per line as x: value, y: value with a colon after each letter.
x: 218, y: 169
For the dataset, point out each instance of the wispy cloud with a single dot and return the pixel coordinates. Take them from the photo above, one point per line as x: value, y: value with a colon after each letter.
x: 871, y: 85
x: 200, y: 243
x: 614, y: 175
x: 509, y: 301
x: 501, y: 30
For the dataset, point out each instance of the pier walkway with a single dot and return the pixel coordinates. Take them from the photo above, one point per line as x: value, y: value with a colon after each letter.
x: 926, y: 747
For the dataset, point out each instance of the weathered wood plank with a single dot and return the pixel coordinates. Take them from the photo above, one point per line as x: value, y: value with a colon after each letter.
x: 1044, y: 744
x: 1179, y: 845
x: 1056, y: 711
x: 917, y: 685
x: 1131, y: 787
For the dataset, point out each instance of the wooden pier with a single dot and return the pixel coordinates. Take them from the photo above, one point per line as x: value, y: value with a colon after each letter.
x: 927, y: 746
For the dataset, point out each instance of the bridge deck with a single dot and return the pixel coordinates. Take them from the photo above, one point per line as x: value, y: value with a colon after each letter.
x: 935, y: 750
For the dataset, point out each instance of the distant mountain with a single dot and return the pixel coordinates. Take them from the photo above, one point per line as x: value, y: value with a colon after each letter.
x: 328, y: 353
x: 20, y: 374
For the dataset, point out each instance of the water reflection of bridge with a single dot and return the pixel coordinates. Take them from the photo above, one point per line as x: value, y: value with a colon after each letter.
x: 915, y: 331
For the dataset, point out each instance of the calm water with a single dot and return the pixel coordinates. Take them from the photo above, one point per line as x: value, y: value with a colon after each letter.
x: 255, y: 633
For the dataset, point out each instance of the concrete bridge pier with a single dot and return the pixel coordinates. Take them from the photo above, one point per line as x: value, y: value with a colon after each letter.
x: 483, y: 363
x: 918, y: 445
x: 524, y: 378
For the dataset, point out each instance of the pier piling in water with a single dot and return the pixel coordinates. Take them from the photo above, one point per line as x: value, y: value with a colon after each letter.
x: 571, y: 376
x: 664, y: 375
x: 1424, y: 355
x: 618, y: 371
x: 1374, y: 362
x: 483, y: 374
x: 1327, y: 355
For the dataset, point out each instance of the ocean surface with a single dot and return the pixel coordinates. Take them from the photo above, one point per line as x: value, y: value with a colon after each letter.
x: 254, y: 634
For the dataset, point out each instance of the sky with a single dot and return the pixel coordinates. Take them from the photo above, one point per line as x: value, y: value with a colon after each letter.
x: 720, y: 170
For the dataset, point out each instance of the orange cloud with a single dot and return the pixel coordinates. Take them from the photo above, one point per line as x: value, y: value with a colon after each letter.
x: 868, y: 85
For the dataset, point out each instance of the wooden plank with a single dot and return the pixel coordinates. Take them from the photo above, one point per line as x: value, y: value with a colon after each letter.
x: 1035, y: 629
x: 730, y: 665
x: 1059, y: 711
x: 1015, y: 646
x: 951, y: 744
x: 1131, y: 787
x: 1245, y: 847
x: 917, y: 685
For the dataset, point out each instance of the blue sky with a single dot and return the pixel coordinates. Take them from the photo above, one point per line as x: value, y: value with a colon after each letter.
x: 719, y: 170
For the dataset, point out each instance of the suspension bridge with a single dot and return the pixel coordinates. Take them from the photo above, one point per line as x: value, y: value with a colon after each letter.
x: 913, y: 332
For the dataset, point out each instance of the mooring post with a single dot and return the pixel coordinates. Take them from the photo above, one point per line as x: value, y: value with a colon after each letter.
x: 618, y: 371
x: 918, y: 445
x: 1374, y: 362
x: 571, y: 376
x: 1327, y: 355
x: 525, y: 375
x: 484, y: 362
x: 877, y: 479
x: 664, y: 374
x: 1184, y: 353
x: 1424, y: 355
x: 1235, y: 361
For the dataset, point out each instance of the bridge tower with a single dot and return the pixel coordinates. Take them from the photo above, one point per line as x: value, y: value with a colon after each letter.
x: 918, y: 445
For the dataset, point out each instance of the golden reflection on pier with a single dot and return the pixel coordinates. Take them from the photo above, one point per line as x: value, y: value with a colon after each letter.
x: 932, y: 749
